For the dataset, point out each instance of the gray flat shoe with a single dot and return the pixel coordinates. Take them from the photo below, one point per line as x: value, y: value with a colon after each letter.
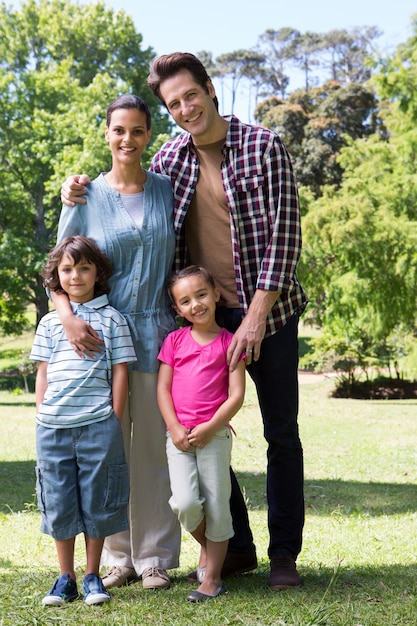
x: 198, y: 596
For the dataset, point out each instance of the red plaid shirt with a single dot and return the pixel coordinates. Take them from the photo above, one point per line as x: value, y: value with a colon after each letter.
x: 261, y: 193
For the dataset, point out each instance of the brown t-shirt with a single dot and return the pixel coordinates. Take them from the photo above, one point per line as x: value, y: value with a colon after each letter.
x: 207, y: 224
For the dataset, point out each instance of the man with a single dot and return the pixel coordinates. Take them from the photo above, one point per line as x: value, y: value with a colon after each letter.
x: 237, y: 214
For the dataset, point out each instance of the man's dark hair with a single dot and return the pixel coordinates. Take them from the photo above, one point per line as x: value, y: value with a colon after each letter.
x: 167, y: 65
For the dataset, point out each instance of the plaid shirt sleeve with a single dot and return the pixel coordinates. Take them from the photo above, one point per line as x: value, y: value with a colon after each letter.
x: 279, y: 263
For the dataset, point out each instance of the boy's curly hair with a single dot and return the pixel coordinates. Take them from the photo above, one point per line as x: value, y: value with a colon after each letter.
x: 79, y: 248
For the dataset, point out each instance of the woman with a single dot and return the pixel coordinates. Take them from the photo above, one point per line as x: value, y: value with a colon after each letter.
x: 129, y: 215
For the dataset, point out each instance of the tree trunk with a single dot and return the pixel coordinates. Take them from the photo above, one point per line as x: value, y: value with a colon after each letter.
x: 41, y: 302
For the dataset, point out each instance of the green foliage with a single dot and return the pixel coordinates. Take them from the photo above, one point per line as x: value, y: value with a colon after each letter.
x: 317, y: 123
x: 353, y: 144
x: 397, y: 80
x: 60, y: 66
x: 360, y: 241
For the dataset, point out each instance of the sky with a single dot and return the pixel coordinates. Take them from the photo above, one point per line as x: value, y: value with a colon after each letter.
x: 221, y: 26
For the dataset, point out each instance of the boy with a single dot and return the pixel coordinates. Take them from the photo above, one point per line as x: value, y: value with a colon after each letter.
x: 82, y: 476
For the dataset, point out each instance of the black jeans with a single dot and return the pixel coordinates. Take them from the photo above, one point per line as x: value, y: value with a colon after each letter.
x: 276, y: 381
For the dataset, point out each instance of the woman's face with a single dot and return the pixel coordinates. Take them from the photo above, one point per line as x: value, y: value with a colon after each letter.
x: 127, y: 135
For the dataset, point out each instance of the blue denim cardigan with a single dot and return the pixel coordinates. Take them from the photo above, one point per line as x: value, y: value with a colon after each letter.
x: 141, y: 258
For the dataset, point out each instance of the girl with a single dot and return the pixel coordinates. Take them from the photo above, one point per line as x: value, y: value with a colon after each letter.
x: 198, y: 396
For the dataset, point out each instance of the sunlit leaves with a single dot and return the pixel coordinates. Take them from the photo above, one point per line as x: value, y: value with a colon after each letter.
x: 61, y: 64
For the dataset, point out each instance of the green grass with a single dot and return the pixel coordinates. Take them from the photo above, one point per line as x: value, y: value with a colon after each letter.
x: 12, y: 350
x: 359, y: 559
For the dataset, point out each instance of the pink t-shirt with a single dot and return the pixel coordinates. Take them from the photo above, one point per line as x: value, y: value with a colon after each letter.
x: 200, y: 381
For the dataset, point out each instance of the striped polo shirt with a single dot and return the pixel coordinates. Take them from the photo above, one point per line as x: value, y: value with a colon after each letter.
x: 79, y: 389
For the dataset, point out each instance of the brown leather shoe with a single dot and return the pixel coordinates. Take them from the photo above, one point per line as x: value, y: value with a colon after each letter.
x: 283, y: 572
x: 235, y: 563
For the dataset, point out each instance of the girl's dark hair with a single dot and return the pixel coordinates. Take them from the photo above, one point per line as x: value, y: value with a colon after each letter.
x: 79, y: 248
x: 190, y: 270
x: 129, y: 101
x: 167, y: 65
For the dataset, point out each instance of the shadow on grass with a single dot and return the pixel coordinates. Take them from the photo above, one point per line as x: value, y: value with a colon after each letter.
x: 322, y: 497
x: 17, y: 403
x: 369, y: 596
x: 326, y: 497
x: 17, y: 485
x: 312, y: 575
x: 321, y: 575
x: 343, y: 579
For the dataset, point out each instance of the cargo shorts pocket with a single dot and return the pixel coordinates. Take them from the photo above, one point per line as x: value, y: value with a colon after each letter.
x: 39, y: 489
x: 117, y: 494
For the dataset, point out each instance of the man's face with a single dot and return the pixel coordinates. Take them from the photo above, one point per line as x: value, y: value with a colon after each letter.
x: 190, y: 105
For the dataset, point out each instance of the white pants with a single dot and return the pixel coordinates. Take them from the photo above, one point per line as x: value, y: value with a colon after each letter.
x: 154, y: 537
x: 200, y: 483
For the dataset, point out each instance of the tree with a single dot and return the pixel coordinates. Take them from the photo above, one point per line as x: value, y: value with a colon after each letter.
x: 60, y: 66
x: 237, y: 65
x: 346, y: 53
x: 317, y: 123
x: 359, y: 262
x: 396, y: 81
x: 278, y: 47
x: 305, y: 55
x: 341, y: 56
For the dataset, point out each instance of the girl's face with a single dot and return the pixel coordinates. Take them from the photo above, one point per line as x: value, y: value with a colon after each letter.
x: 127, y: 136
x: 195, y: 299
x: 77, y: 280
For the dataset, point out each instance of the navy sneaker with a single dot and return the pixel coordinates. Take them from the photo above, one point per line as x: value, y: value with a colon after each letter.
x: 64, y: 590
x: 94, y: 591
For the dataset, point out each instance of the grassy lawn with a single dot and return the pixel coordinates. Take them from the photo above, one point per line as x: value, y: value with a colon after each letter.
x: 12, y: 350
x: 359, y: 560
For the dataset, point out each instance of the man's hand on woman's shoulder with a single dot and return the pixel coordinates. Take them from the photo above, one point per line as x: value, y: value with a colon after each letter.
x: 74, y: 189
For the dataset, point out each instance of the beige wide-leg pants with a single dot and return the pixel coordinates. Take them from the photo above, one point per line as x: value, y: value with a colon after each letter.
x: 154, y: 537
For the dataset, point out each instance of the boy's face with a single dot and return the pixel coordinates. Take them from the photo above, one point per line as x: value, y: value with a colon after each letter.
x: 195, y: 299
x: 79, y: 280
